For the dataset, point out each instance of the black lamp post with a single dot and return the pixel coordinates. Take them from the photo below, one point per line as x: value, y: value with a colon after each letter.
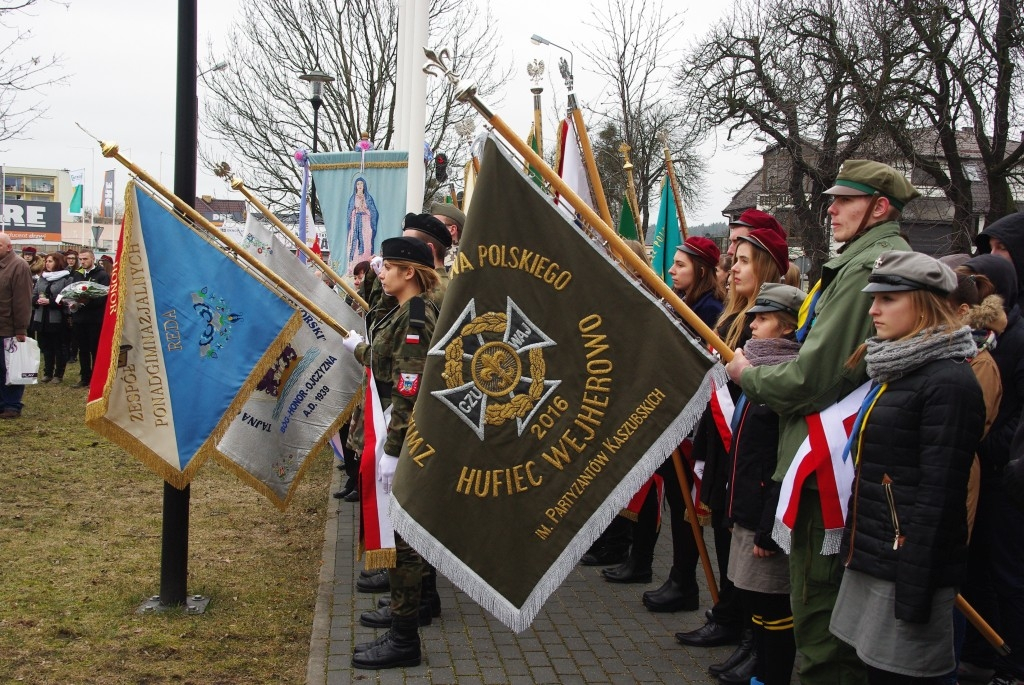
x: 316, y: 80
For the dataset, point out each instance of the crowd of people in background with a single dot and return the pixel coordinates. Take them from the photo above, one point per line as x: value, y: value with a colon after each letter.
x: 67, y: 332
x: 864, y: 589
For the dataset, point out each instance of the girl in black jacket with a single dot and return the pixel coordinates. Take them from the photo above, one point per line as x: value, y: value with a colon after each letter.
x: 757, y: 567
x: 905, y: 543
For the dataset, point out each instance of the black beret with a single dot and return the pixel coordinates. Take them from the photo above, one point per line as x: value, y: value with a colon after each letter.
x: 407, y: 249
x: 429, y: 224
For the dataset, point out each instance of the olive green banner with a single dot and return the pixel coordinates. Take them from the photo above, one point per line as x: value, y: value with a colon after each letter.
x: 554, y: 387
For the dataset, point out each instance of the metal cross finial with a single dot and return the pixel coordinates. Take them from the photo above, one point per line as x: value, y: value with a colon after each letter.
x: 465, y: 89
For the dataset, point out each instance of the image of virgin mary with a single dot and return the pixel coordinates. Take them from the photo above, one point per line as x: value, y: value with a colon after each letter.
x: 362, y: 224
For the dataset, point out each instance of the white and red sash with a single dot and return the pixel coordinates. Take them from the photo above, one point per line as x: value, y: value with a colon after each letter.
x: 378, y: 535
x: 722, y: 410
x: 821, y: 453
x: 632, y: 510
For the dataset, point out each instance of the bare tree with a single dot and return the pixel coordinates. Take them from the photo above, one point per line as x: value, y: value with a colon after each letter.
x: 260, y: 113
x: 635, y: 57
x: 769, y: 72
x: 22, y: 73
x: 824, y: 80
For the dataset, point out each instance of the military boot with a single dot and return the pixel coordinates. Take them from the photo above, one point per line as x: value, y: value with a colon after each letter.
x: 428, y: 592
x: 377, y: 582
x: 399, y: 647
x: 383, y: 618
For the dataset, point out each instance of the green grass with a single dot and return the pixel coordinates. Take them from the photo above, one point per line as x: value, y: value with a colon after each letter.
x: 80, y: 536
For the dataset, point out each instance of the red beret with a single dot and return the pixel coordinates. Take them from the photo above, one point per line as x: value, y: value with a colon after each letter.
x: 773, y: 243
x: 701, y: 248
x: 755, y: 218
x: 28, y: 250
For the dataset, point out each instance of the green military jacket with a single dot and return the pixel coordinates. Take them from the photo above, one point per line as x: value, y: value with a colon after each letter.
x: 818, y: 377
x: 380, y: 304
x: 396, y: 353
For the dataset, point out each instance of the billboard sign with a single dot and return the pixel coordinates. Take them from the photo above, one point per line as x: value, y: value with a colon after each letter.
x: 29, y: 219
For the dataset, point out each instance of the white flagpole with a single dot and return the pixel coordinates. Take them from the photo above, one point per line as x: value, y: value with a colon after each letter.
x: 413, y: 22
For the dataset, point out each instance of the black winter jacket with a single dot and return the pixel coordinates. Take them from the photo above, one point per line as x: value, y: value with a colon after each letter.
x: 91, y: 311
x: 907, y: 521
x: 752, y: 495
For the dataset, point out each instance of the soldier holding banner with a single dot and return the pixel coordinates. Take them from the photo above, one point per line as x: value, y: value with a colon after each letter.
x: 396, y: 353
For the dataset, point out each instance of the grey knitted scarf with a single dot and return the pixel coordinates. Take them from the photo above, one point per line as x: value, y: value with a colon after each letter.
x: 770, y: 351
x: 891, y: 359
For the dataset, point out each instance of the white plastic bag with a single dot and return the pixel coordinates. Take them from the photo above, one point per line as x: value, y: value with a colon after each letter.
x: 22, y: 359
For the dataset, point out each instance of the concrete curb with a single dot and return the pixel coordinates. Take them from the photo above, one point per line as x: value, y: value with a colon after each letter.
x: 316, y: 667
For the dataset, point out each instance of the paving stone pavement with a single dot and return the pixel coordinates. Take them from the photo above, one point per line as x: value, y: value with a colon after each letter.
x: 589, y: 631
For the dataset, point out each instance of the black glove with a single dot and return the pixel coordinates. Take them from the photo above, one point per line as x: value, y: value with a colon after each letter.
x: 1013, y: 481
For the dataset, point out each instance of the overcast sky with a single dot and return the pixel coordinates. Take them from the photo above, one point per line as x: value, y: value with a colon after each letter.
x: 119, y: 59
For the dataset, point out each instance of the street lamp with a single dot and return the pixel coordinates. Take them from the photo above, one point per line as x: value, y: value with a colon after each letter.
x: 316, y: 80
x: 219, y: 66
x: 538, y: 40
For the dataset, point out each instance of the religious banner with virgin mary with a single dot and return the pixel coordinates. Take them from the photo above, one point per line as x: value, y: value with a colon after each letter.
x: 362, y: 198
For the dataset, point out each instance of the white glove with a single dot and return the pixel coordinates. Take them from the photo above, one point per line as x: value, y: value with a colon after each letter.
x: 350, y: 341
x: 377, y: 264
x: 386, y: 472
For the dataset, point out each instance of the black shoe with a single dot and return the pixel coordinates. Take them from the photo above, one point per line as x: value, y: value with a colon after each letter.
x: 399, y: 647
x: 628, y: 572
x: 376, y: 583
x: 369, y: 573
x: 350, y: 487
x: 741, y: 673
x: 711, y: 634
x: 82, y: 384
x: 737, y: 657
x: 605, y: 556
x: 382, y: 618
x: 672, y: 597
x: 341, y: 467
x: 384, y: 601
x: 352, y: 496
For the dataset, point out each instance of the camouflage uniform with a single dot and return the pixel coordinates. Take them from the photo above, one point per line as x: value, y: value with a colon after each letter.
x: 396, y: 354
x: 380, y: 304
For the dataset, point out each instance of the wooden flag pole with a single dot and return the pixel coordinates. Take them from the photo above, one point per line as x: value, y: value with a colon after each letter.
x: 237, y: 184
x: 634, y: 204
x: 982, y: 626
x: 111, y: 150
x: 588, y: 159
x: 674, y: 184
x: 466, y: 92
x: 691, y: 510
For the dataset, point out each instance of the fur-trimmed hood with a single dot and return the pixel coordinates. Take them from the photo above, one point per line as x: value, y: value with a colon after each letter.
x: 988, y: 315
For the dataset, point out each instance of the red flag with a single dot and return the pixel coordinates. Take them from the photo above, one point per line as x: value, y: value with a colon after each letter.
x: 316, y: 246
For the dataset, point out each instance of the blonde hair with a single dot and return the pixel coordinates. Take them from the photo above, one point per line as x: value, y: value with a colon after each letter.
x: 934, y: 312
x: 792, y: 276
x: 765, y: 271
x: 425, y: 277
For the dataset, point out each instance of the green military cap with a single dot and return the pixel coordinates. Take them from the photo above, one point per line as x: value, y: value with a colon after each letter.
x: 864, y: 177
x: 776, y: 297
x: 450, y: 211
x: 901, y: 271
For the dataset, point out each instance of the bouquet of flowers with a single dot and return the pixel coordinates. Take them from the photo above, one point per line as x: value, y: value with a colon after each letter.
x: 81, y: 292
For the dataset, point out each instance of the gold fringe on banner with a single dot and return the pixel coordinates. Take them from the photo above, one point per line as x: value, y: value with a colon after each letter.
x: 357, y: 165
x: 262, y: 488
x: 96, y: 410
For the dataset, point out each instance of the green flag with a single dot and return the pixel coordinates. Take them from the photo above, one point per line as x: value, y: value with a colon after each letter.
x: 536, y: 421
x: 78, y: 186
x: 532, y: 141
x: 627, y: 224
x: 666, y: 234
